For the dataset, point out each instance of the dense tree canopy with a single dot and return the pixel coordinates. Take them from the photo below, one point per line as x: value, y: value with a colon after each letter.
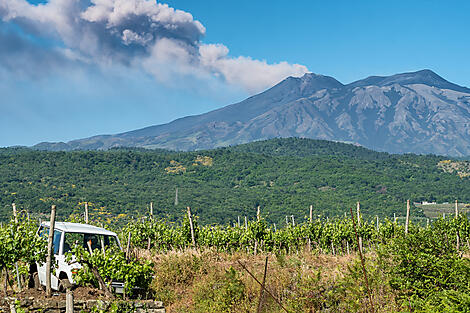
x: 283, y: 176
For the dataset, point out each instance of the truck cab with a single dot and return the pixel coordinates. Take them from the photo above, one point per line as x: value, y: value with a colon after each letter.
x: 67, y: 235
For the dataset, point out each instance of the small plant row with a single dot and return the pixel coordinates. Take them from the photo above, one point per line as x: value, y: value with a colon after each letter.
x: 333, y: 236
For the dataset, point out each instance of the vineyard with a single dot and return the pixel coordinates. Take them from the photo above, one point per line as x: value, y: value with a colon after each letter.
x: 406, y: 267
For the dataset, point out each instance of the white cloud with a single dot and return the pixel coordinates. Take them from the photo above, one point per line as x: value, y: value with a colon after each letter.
x: 251, y: 74
x: 141, y: 33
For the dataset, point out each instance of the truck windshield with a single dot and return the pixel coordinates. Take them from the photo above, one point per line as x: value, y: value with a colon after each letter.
x: 94, y: 241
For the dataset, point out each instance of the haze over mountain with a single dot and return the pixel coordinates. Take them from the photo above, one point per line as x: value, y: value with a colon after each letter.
x: 418, y: 112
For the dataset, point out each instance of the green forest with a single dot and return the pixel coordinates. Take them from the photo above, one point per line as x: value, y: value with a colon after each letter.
x: 282, y: 176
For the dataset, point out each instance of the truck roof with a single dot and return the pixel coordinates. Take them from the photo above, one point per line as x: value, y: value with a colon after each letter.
x: 80, y: 228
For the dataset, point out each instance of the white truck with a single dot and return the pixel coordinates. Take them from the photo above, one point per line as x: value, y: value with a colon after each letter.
x: 66, y: 235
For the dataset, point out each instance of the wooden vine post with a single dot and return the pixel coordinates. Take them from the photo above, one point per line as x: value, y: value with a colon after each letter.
x: 86, y: 212
x: 263, y: 286
x: 358, y: 213
x: 257, y: 219
x: 49, y: 252
x: 363, y: 265
x: 456, y: 217
x: 128, y: 248
x: 193, y: 239
x: 149, y: 240
x: 310, y: 221
x: 15, y: 214
x: 407, y: 216
x: 69, y: 301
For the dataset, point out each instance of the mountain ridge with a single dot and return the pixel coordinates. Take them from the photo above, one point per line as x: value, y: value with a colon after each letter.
x: 416, y: 112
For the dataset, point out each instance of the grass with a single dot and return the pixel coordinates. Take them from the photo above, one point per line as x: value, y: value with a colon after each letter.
x: 215, y: 282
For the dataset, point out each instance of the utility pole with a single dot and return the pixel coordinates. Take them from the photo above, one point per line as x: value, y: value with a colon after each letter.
x: 176, y: 196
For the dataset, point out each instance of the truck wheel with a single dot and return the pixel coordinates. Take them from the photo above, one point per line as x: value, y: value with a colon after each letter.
x: 37, y: 283
x: 33, y: 281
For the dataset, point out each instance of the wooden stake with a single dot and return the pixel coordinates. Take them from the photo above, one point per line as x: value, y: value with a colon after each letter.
x: 151, y: 210
x: 102, y: 247
x: 377, y: 222
x: 69, y: 301
x: 86, y: 212
x: 363, y: 265
x: 255, y: 249
x: 128, y: 245
x: 193, y: 239
x: 261, y: 292
x: 18, y: 280
x: 15, y: 215
x: 266, y: 290
x: 49, y: 252
x: 238, y: 220
x: 246, y: 223
x: 456, y: 217
x: 310, y: 221
x: 407, y: 216
x: 358, y: 212
x: 258, y: 214
x: 293, y: 221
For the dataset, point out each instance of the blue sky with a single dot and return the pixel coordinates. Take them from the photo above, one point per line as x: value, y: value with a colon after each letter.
x: 125, y: 67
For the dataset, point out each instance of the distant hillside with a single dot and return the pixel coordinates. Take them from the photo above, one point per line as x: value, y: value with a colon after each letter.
x: 417, y: 112
x: 222, y: 184
x: 303, y: 147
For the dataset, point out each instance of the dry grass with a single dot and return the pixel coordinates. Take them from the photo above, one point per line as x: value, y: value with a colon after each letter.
x: 198, y: 281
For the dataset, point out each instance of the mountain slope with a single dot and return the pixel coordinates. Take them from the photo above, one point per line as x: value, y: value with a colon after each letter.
x: 303, y: 147
x: 417, y: 112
